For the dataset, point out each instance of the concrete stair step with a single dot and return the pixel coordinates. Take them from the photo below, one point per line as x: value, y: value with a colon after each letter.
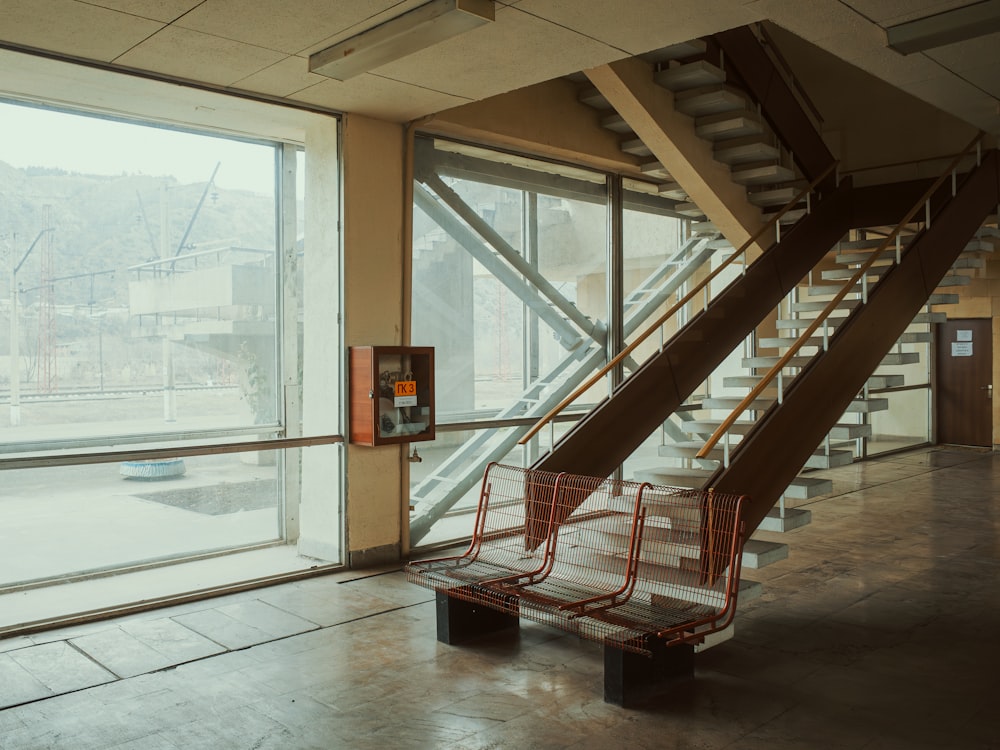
x: 592, y: 97
x: 860, y: 251
x: 708, y: 100
x: 867, y: 405
x: 806, y: 488
x: 673, y: 191
x: 931, y: 317
x: 850, y: 432
x: 636, y: 147
x: 736, y: 152
x: 968, y: 262
x: 776, y: 197
x: 675, y: 477
x: 789, y: 217
x: 729, y: 403
x: 886, y: 380
x: 615, y: 122
x: 900, y: 358
x: 759, y: 554
x: 762, y: 174
x: 704, y: 227
x: 690, y: 209
x: 843, y: 274
x: 979, y: 245
x: 656, y: 170
x: 870, y: 243
x: 800, y: 324
x: 722, y: 126
x: 943, y: 298
x: 886, y: 258
x: 689, y: 449
x: 708, y: 426
x: 692, y: 75
x: 878, y: 380
x: 828, y: 290
x: 793, y: 518
x: 954, y: 279
x: 819, y: 305
x: 764, y: 362
x: 915, y: 337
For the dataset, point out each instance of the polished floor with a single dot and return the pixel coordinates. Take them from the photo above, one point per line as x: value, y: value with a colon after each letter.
x: 880, y: 631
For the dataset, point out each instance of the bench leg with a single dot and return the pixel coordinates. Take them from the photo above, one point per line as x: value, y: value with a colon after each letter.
x: 459, y: 620
x: 630, y: 677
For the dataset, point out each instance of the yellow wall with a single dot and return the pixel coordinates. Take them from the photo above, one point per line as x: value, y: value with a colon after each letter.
x: 373, y: 314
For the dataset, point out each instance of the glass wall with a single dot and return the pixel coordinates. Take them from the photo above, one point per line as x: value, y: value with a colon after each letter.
x: 512, y: 267
x: 140, y: 309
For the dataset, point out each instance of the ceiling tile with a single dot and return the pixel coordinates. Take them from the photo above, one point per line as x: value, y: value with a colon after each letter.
x: 639, y: 26
x: 199, y: 57
x: 380, y: 97
x: 72, y: 28
x: 284, y: 78
x: 825, y: 19
x: 985, y: 78
x: 975, y: 53
x: 517, y: 50
x: 891, y: 12
x: 158, y: 10
x: 291, y: 28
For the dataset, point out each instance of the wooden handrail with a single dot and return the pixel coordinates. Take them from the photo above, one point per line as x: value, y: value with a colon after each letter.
x: 831, y: 306
x: 675, y: 308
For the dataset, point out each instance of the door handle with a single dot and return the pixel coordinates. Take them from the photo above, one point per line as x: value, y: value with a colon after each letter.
x: 988, y: 389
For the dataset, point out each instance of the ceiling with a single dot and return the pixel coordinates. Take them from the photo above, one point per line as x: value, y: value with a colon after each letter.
x: 262, y: 47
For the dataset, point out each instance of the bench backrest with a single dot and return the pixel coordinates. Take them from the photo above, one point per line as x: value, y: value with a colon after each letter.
x: 594, y: 530
x: 500, y: 536
x: 690, y: 550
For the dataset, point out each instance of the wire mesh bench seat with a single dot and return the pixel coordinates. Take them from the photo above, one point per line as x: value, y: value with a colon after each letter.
x: 499, y: 549
x: 648, y: 571
x: 580, y: 576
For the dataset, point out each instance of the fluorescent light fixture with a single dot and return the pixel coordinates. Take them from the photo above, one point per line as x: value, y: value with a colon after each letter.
x: 398, y: 37
x: 952, y: 26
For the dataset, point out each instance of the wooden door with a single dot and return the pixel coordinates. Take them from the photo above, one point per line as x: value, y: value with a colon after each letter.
x: 964, y: 382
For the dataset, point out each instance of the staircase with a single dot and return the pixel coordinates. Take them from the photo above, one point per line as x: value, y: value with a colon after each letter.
x: 721, y: 112
x: 839, y: 447
x: 447, y: 486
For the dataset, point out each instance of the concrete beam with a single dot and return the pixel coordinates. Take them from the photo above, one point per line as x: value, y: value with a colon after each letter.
x: 648, y: 108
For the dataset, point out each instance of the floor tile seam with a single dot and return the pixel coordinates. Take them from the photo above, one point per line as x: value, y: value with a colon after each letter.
x: 109, y: 670
x: 169, y: 667
x: 316, y: 625
x: 876, y: 485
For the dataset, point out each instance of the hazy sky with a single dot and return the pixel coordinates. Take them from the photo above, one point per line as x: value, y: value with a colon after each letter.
x: 34, y: 137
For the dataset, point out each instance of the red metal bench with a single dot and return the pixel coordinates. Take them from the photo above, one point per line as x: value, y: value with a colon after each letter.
x: 646, y: 570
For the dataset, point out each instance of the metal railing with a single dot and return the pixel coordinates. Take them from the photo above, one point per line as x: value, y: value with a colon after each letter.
x: 859, y: 275
x: 680, y: 304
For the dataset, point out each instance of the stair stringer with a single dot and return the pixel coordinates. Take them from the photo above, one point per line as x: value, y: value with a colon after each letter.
x: 618, y: 425
x: 778, y: 104
x: 648, y: 108
x: 776, y: 449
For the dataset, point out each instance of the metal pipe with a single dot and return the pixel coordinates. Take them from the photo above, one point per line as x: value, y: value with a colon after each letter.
x: 569, y: 337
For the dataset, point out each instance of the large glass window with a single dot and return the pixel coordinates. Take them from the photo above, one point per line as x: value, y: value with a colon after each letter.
x: 142, y: 307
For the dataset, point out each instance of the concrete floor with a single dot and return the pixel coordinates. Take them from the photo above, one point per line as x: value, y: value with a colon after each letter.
x: 879, y: 632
